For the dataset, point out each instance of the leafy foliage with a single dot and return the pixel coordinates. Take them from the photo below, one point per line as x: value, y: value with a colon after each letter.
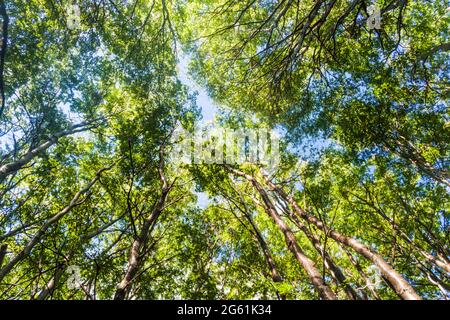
x: 357, y: 209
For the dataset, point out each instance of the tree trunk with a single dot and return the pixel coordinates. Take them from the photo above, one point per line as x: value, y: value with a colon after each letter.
x: 429, y: 257
x: 308, y: 265
x: 403, y: 289
x: 135, y: 258
x: 335, y: 271
x: 3, y: 249
x: 276, y: 277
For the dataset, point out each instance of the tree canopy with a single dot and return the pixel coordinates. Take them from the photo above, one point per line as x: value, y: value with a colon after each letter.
x: 94, y: 203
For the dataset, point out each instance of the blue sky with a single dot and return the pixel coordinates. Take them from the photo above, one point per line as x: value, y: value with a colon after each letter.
x: 207, y: 105
x: 208, y: 108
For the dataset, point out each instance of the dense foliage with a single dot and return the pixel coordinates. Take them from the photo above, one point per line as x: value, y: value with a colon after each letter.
x: 93, y: 205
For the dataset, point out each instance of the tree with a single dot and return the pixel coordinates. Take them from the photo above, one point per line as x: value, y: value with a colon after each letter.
x: 357, y: 207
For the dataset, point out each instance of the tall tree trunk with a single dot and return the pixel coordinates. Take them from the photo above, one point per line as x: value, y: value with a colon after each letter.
x: 335, y: 271
x: 308, y: 265
x: 403, y: 289
x: 135, y: 257
x: 53, y: 282
x: 274, y: 274
x: 276, y: 277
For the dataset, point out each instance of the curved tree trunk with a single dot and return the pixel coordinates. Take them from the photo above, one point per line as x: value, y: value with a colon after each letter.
x: 335, y: 271
x: 275, y: 275
x: 403, y: 289
x: 135, y: 257
x: 291, y: 241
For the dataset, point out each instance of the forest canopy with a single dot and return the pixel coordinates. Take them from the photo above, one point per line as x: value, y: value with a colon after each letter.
x: 349, y: 97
